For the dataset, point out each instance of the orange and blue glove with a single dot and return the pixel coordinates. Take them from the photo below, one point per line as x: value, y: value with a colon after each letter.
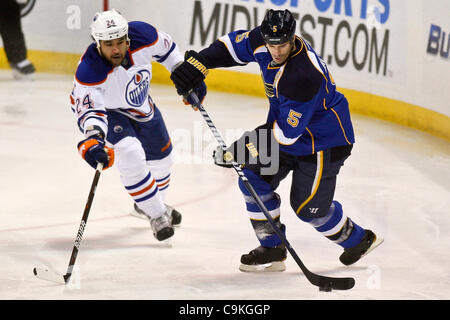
x: 94, y: 151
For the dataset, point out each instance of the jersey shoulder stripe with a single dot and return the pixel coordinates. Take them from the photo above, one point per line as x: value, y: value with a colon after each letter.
x: 141, y: 35
x: 92, y: 69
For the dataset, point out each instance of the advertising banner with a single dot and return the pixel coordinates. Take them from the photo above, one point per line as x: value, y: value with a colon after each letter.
x: 390, y: 57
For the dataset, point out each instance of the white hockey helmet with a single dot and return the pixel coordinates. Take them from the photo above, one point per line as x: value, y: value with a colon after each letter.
x: 108, y: 25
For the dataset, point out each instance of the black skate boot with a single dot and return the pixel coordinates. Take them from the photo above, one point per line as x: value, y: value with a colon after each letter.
x: 367, y: 244
x: 162, y: 229
x: 263, y: 259
x: 173, y: 214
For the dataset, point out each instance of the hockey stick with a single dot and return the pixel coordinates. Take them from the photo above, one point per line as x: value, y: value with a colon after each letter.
x: 324, y: 283
x: 47, y: 274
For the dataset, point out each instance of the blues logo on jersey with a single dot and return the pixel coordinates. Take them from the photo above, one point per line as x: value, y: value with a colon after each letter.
x: 306, y: 111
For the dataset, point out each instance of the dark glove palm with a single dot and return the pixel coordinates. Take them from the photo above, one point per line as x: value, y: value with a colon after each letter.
x: 255, y: 150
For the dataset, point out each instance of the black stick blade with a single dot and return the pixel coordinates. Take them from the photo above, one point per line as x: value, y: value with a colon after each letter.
x: 328, y: 283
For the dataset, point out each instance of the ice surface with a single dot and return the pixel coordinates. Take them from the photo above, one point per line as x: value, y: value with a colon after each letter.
x: 397, y: 182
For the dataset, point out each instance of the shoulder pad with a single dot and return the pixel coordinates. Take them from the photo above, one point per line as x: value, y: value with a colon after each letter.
x: 141, y: 34
x: 256, y: 39
x: 300, y: 80
x: 92, y: 69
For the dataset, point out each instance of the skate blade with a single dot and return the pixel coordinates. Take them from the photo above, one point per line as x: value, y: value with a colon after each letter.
x: 278, y: 266
x: 376, y: 243
x: 143, y: 216
x: 167, y: 243
x: 23, y: 77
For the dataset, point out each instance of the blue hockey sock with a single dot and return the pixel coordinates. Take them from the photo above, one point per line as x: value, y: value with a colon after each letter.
x: 263, y: 230
x: 265, y: 233
x: 337, y: 227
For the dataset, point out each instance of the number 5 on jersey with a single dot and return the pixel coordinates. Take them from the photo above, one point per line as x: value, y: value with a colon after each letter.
x: 293, y: 118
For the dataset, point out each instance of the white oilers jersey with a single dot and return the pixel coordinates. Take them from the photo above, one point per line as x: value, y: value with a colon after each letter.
x: 99, y: 87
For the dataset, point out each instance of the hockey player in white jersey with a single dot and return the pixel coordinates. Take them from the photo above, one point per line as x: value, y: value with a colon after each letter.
x: 119, y: 119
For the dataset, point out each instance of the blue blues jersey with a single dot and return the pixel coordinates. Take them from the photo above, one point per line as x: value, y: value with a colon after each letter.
x: 306, y: 112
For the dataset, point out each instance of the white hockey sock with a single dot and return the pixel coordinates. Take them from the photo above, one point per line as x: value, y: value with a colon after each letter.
x: 137, y: 177
x: 163, y: 185
x: 161, y: 171
x: 146, y: 194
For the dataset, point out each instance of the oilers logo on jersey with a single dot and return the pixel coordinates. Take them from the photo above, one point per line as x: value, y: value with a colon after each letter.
x: 100, y: 87
x: 137, y: 88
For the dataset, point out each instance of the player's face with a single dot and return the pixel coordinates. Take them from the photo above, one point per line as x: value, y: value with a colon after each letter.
x: 114, y: 50
x: 279, y: 52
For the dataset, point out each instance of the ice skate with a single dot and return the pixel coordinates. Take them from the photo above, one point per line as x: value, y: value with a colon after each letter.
x: 173, y: 215
x: 369, y: 242
x: 263, y: 259
x: 162, y: 229
x: 23, y: 70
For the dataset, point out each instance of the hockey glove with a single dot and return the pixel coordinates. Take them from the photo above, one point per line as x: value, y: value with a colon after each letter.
x: 222, y: 159
x: 200, y: 92
x: 93, y: 150
x: 256, y: 150
x: 189, y: 74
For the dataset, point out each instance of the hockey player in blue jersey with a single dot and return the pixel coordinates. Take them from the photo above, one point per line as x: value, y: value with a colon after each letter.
x: 118, y: 117
x: 308, y: 128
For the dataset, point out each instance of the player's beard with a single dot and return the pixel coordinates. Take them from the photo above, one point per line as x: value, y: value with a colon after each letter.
x: 116, y: 59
